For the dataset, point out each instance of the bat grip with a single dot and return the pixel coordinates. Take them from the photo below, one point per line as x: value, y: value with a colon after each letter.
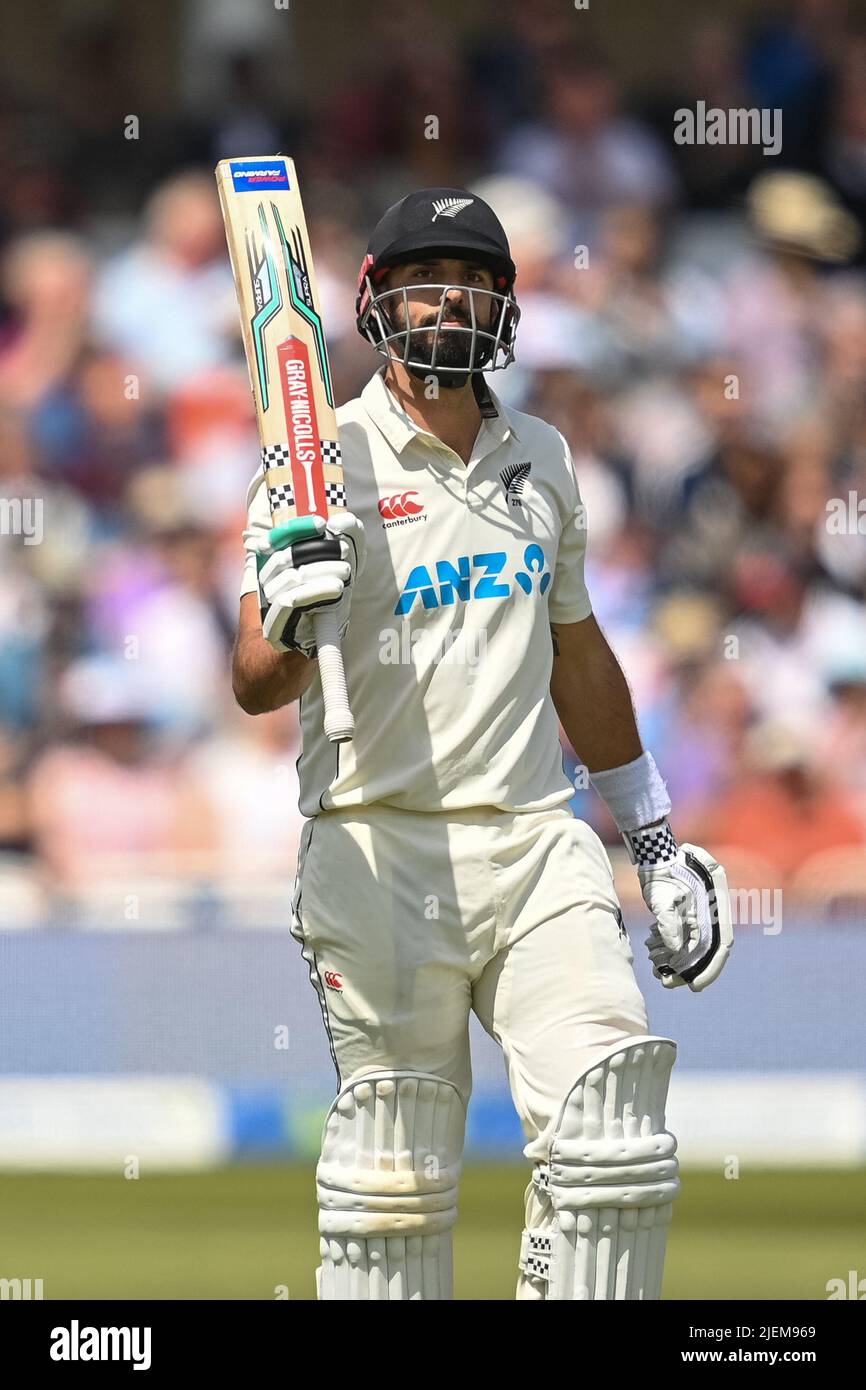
x: 339, y: 724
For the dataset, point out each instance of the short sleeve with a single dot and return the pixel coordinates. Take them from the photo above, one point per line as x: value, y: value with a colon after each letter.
x: 569, y: 600
x: 257, y: 527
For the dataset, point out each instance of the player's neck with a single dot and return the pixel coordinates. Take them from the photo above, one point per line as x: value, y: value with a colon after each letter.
x: 452, y: 414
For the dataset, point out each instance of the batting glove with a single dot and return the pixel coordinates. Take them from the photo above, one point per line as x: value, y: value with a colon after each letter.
x: 307, y: 565
x: 686, y: 890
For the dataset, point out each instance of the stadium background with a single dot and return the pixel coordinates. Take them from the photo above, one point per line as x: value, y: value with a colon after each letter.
x: 163, y: 1072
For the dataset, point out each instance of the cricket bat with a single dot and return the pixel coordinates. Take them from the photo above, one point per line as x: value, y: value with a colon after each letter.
x: 287, y: 358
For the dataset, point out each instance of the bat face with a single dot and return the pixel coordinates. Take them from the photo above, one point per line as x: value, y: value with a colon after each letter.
x: 283, y: 336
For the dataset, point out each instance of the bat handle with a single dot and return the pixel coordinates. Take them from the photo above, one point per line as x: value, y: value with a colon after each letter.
x: 339, y: 724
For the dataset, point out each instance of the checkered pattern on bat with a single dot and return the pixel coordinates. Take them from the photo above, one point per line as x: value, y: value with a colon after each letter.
x: 655, y: 844
x: 279, y: 455
x: 282, y: 496
x: 276, y: 456
x: 335, y: 494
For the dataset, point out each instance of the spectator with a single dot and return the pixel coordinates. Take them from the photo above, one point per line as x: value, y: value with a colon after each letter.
x: 168, y: 301
x: 783, y: 806
x: 241, y: 774
x: 108, y: 799
x: 46, y: 280
x: 584, y: 151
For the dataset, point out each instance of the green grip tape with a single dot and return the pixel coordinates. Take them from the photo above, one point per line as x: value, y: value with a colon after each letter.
x: 301, y: 528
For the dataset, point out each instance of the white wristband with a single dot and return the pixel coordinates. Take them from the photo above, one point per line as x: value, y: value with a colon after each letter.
x: 635, y: 793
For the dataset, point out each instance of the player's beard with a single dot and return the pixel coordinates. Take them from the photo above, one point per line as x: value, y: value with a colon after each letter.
x: 453, y: 349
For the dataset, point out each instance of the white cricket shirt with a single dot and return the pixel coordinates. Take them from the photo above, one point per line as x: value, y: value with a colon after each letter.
x: 448, y: 654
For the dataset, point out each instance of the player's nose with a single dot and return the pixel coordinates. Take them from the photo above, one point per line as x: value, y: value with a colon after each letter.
x: 456, y: 303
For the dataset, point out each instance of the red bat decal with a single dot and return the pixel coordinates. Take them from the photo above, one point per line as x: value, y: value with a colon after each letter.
x: 302, y: 429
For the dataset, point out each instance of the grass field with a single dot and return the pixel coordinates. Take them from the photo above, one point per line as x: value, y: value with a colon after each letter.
x: 239, y: 1232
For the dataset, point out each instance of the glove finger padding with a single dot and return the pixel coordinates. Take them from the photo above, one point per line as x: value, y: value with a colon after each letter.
x: 350, y: 531
x: 671, y: 903
x: 659, y: 956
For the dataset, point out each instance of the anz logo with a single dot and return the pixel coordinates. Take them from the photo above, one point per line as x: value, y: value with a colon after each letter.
x: 471, y: 577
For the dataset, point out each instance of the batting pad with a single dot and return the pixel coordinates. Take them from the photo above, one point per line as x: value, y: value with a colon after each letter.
x: 598, y: 1211
x: 387, y: 1188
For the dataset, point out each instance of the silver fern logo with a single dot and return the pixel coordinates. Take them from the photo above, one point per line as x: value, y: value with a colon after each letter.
x: 449, y: 207
x: 513, y: 479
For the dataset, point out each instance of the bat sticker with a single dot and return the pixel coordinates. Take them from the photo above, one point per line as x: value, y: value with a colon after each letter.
x: 266, y: 173
x: 302, y: 299
x: 267, y: 297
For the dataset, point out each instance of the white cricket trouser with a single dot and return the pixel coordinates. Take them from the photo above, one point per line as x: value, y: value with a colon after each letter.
x: 409, y: 920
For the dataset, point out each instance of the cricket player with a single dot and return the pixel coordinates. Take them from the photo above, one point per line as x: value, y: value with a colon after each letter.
x: 441, y: 869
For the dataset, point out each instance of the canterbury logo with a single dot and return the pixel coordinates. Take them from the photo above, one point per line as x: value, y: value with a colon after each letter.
x: 333, y: 979
x: 399, y: 505
x: 449, y: 207
x: 513, y: 479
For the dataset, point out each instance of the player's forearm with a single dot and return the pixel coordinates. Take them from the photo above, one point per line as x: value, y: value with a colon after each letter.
x: 265, y: 680
x: 592, y: 699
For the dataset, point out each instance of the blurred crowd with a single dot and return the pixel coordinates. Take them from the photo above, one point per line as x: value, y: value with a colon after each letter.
x: 693, y: 320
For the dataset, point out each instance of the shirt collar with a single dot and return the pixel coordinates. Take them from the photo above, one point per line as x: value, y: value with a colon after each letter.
x: 399, y: 428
